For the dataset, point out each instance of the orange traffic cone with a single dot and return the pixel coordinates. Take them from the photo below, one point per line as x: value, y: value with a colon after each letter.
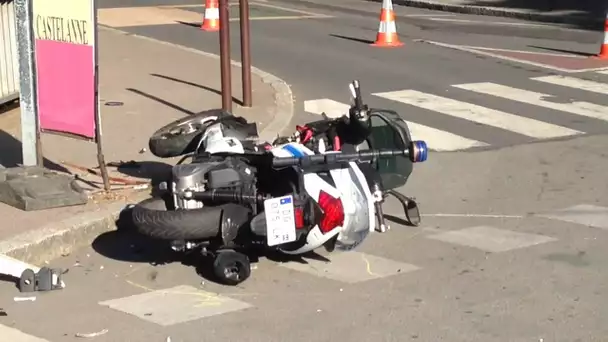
x: 387, y: 32
x: 604, y: 49
x: 211, y: 22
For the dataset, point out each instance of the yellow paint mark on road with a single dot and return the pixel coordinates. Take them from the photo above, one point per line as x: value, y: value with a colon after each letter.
x: 206, y: 298
x: 368, y: 266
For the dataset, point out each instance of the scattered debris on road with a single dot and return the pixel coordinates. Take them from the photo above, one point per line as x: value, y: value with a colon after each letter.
x: 91, y: 335
x: 24, y: 299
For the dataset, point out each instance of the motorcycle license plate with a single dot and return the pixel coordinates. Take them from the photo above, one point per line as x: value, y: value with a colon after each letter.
x: 280, y: 220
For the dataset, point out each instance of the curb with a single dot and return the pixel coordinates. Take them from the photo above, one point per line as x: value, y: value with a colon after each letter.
x: 60, y: 238
x: 560, y: 18
x: 284, y: 110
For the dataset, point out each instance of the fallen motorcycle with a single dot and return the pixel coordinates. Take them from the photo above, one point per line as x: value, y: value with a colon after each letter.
x: 321, y: 187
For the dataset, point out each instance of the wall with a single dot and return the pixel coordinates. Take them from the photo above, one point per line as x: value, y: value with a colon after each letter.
x: 9, y: 68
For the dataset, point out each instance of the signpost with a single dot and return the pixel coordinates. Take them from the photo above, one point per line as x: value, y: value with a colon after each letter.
x: 57, y: 48
x: 225, y: 72
x: 224, y: 36
x: 65, y: 33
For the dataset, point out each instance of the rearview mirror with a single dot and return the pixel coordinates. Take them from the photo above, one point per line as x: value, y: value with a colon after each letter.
x: 389, y: 131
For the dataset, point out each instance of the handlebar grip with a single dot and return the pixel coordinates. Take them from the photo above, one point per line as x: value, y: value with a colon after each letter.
x: 417, y: 152
x: 358, y: 100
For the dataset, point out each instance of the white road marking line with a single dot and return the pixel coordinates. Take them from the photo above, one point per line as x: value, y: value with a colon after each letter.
x: 604, y: 72
x: 576, y: 83
x: 582, y: 108
x: 484, y: 51
x: 475, y: 113
x: 426, y: 15
x: 500, y: 23
x: 437, y: 140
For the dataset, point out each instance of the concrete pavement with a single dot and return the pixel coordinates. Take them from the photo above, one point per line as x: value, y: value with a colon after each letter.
x: 153, y: 83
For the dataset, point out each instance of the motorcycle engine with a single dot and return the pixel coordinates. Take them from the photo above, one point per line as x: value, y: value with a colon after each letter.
x: 209, y: 174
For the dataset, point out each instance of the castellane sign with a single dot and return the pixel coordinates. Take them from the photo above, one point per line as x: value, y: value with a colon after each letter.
x: 66, y: 66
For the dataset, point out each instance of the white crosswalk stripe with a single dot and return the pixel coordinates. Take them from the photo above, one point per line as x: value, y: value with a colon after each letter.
x: 582, y: 108
x: 480, y: 116
x: 576, y: 83
x: 463, y: 110
x: 438, y: 140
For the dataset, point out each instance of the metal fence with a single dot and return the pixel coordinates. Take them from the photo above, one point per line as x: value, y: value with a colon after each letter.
x: 9, y: 68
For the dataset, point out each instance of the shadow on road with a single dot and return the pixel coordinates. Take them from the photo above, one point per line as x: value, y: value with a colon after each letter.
x: 358, y: 40
x: 570, y: 52
x: 154, y: 171
x: 11, y: 154
x: 126, y: 244
x: 159, y: 100
x: 172, y: 105
x: 209, y: 89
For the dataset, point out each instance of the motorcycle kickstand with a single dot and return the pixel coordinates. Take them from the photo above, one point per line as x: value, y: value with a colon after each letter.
x: 381, y: 227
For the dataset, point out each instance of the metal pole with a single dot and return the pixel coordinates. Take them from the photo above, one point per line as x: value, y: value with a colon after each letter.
x: 30, y: 131
x: 245, y: 52
x: 98, y: 135
x: 225, y: 55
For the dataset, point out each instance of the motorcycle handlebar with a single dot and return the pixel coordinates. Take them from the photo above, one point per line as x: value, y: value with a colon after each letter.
x: 417, y: 152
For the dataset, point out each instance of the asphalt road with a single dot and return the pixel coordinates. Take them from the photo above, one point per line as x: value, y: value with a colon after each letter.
x: 319, y: 56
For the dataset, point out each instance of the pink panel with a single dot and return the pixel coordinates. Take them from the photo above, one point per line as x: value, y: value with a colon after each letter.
x: 66, y: 87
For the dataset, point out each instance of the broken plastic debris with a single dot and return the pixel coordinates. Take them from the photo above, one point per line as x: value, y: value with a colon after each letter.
x: 101, y: 267
x: 169, y: 339
x: 23, y: 299
x: 89, y: 335
x: 143, y: 150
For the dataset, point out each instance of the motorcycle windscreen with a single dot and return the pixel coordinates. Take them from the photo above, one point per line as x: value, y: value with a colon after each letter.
x: 389, y: 131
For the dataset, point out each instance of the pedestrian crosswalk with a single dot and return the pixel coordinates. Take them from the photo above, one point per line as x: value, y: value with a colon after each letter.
x: 480, y: 116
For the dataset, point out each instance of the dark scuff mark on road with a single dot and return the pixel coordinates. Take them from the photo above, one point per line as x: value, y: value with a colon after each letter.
x: 576, y: 260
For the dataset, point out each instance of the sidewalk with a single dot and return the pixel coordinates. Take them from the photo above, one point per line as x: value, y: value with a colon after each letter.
x: 156, y: 83
x: 589, y: 14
